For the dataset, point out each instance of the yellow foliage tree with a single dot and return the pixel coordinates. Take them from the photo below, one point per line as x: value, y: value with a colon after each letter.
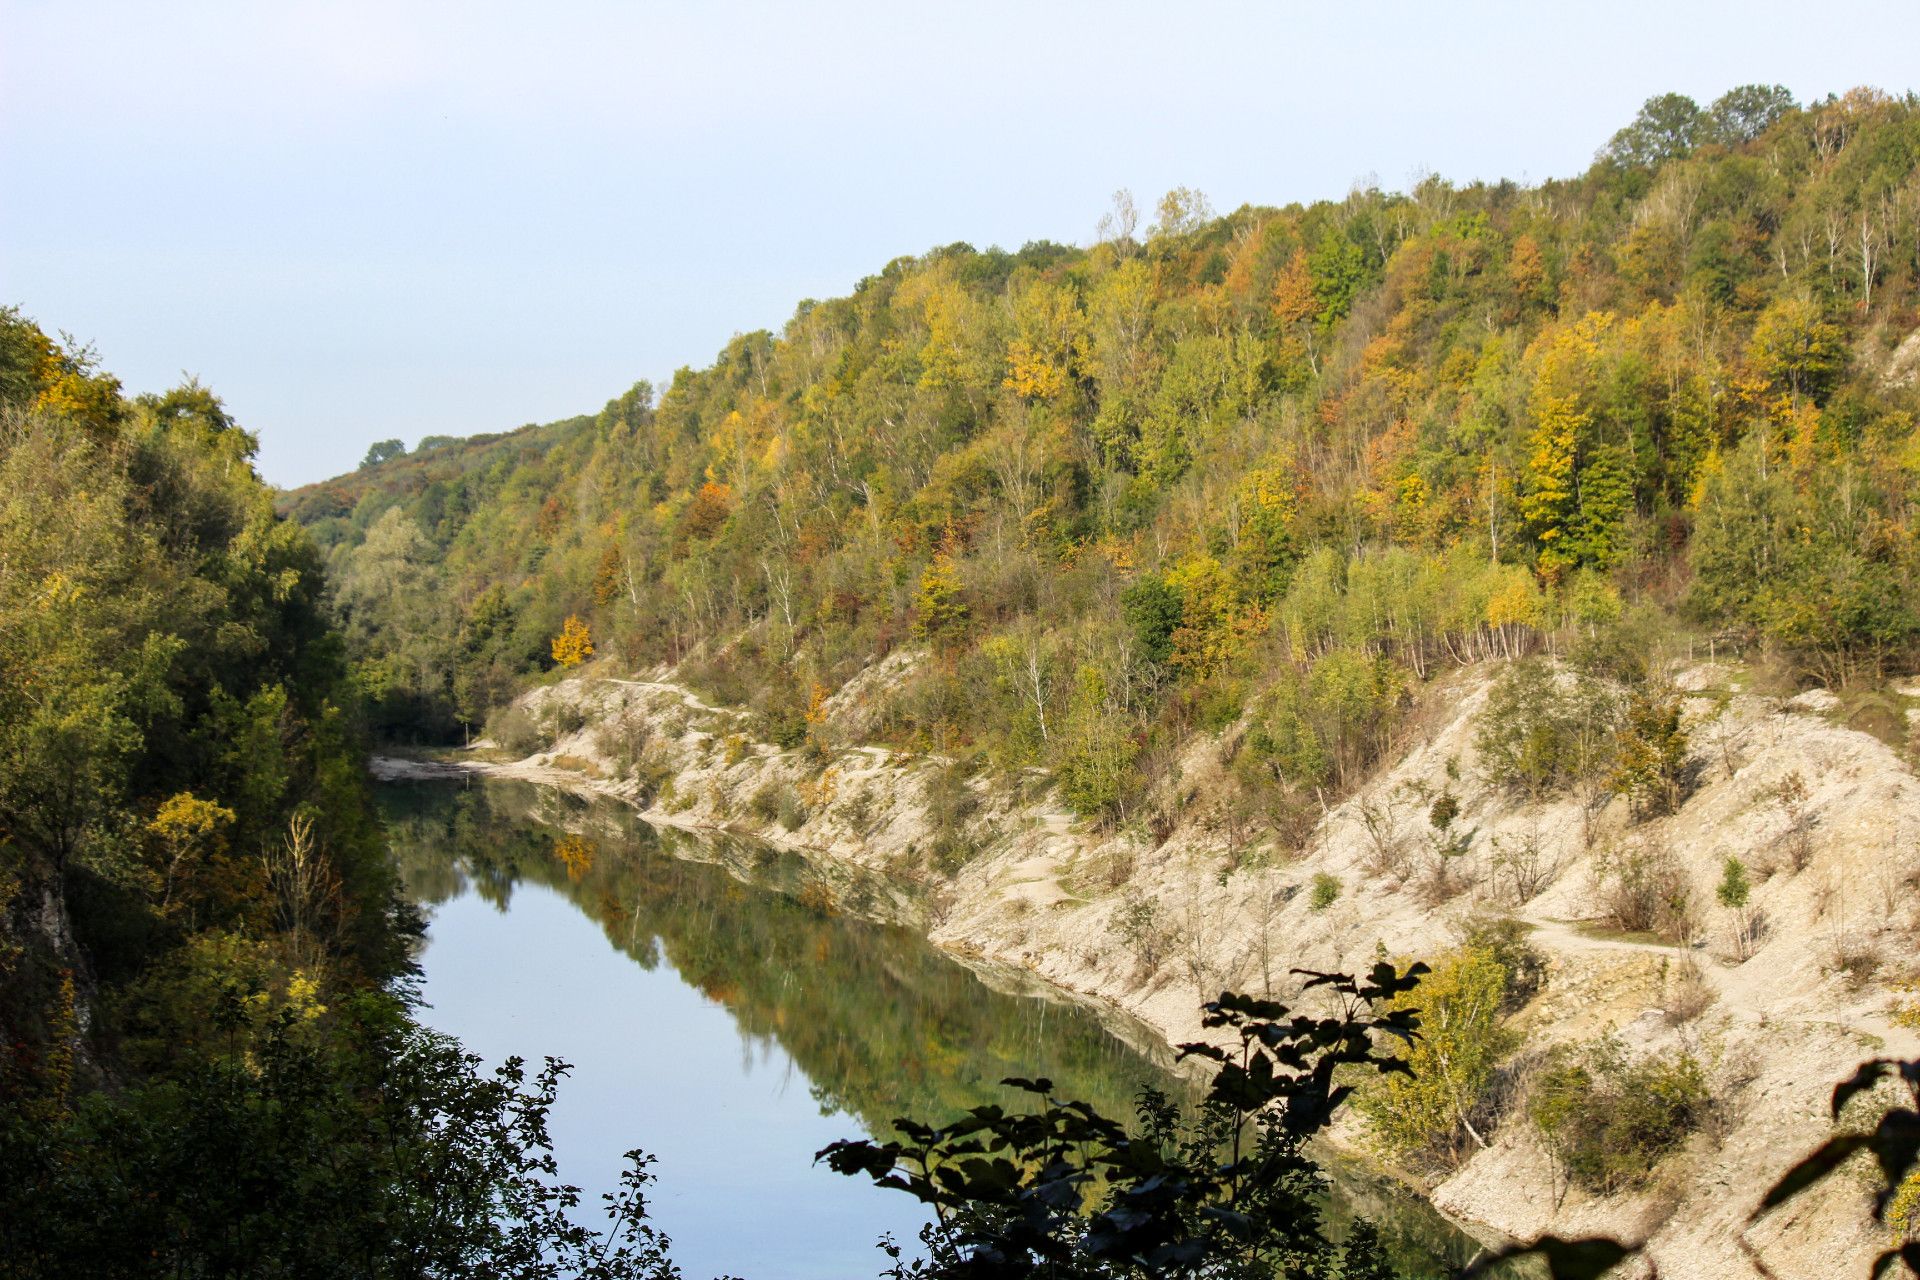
x: 575, y: 854
x: 574, y: 644
x: 939, y: 606
x: 186, y: 833
x: 1050, y: 326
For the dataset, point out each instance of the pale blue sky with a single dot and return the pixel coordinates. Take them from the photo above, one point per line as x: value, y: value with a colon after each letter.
x: 361, y: 220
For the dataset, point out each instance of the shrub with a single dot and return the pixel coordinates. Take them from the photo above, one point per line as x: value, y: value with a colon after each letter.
x: 1609, y: 1121
x: 949, y: 803
x: 784, y: 724
x: 1136, y: 922
x: 559, y: 718
x: 1651, y: 769
x: 1644, y: 890
x: 1906, y: 1012
x: 1326, y: 890
x: 1507, y: 941
x: 1525, y: 863
x: 513, y: 731
x: 778, y: 802
x: 1734, y: 892
x: 1096, y: 767
x: 1791, y: 798
x: 620, y: 741
x: 653, y: 773
x: 1429, y: 1115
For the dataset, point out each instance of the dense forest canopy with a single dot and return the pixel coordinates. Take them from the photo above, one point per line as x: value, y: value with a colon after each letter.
x: 1286, y: 460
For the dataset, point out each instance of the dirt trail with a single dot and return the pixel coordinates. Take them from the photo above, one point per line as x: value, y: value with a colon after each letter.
x: 687, y: 697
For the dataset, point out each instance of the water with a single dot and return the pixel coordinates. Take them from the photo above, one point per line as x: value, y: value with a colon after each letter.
x: 732, y: 1009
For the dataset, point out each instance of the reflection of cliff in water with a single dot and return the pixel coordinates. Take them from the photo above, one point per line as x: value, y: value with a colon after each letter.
x: 883, y: 1024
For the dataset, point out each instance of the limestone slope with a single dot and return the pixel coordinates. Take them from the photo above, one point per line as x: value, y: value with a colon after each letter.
x: 1012, y: 877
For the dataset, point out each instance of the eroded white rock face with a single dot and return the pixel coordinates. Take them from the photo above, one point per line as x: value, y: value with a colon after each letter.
x: 1833, y: 883
x: 1903, y: 366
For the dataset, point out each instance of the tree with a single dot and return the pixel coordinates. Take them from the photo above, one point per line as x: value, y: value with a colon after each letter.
x: 1651, y: 769
x: 380, y: 1151
x: 939, y: 603
x: 1797, y: 348
x: 187, y: 835
x: 574, y: 644
x: 1428, y: 1110
x: 1733, y: 893
x: 1743, y: 113
x: 1152, y: 610
x: 383, y: 451
x: 1668, y: 127
x: 1339, y: 268
x: 1549, y: 504
x: 1181, y: 211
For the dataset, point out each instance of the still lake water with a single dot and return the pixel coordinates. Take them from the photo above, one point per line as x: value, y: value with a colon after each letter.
x: 731, y: 1009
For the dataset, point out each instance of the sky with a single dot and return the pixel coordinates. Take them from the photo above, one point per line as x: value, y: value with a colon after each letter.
x: 365, y: 220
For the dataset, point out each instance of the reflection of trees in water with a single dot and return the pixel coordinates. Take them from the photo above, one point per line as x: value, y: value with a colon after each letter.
x: 881, y: 1023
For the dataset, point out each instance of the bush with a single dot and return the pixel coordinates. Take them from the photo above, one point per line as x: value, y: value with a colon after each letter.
x: 513, y: 731
x: 1644, y: 890
x: 949, y: 804
x: 1506, y: 940
x: 1096, y: 767
x: 560, y: 718
x: 1429, y: 1115
x: 1609, y: 1121
x: 621, y: 741
x: 784, y: 725
x: 778, y: 802
x: 653, y: 773
x: 1136, y: 922
x: 1326, y: 891
x: 1651, y: 769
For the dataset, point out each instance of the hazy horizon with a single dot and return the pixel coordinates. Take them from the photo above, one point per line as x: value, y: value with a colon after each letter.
x: 357, y: 224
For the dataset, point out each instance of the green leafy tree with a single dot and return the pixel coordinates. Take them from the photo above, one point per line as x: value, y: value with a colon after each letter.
x: 1743, y: 113
x: 1651, y: 769
x: 939, y: 604
x: 1668, y: 127
x: 383, y: 451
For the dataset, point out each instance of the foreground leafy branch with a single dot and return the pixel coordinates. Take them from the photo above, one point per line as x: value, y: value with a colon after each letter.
x: 1893, y: 1142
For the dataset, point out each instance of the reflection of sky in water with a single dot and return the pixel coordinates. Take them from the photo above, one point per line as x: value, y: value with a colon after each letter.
x: 618, y: 963
x: 657, y: 1065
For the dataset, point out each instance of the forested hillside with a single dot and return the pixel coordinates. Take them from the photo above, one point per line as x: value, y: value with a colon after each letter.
x: 1293, y: 460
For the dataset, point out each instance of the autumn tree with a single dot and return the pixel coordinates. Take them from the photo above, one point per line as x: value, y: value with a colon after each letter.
x: 574, y: 644
x: 939, y: 603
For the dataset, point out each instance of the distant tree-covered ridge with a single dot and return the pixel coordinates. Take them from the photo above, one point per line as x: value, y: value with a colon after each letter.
x: 1283, y: 462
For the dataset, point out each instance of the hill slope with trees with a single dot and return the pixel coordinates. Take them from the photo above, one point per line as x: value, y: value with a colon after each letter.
x: 1290, y: 461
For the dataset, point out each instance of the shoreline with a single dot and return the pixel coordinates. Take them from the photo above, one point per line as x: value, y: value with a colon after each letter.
x: 1125, y: 1024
